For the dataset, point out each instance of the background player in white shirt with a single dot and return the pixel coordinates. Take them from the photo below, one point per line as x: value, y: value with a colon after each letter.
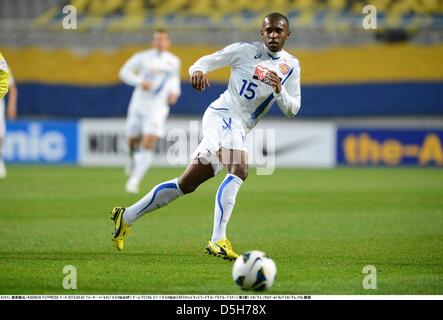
x: 261, y: 73
x: 155, y: 74
x: 11, y: 113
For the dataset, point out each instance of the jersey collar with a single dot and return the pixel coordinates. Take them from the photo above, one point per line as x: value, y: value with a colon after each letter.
x: 272, y: 55
x: 159, y: 53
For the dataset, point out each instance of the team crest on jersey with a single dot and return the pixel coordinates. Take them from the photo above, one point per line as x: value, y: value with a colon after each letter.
x: 284, y: 68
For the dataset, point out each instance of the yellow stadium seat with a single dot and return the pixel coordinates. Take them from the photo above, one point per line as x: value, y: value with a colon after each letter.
x: 306, y: 9
x: 259, y: 5
x: 381, y: 5
x: 133, y: 17
x: 357, y: 8
x: 432, y: 6
x: 201, y: 8
x: 279, y: 6
x: 169, y: 7
x: 303, y: 5
x: 412, y: 6
x: 222, y: 8
x: 239, y: 5
x: 393, y: 19
x: 305, y: 19
x: 112, y: 6
x: 81, y: 5
x: 97, y: 8
x: 336, y: 5
x: 243, y: 13
x: 134, y: 8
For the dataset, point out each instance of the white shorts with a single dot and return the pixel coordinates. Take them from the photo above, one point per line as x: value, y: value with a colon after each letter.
x: 221, y: 129
x: 2, y: 119
x: 138, y: 123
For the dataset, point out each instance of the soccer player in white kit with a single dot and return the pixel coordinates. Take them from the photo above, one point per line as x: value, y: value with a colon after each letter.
x: 11, y: 113
x: 261, y: 74
x: 155, y: 74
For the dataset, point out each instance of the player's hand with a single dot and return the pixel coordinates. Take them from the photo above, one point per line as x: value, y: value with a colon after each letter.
x: 274, y: 81
x: 199, y: 81
x: 146, y: 85
x: 172, y: 99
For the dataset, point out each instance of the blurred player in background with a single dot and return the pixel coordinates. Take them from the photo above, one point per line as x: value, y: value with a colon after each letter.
x: 155, y: 74
x: 261, y: 74
x: 11, y: 110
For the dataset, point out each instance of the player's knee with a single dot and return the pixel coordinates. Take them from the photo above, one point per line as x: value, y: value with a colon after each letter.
x: 148, y: 146
x: 240, y: 171
x: 149, y: 141
x: 186, y: 186
x: 133, y: 142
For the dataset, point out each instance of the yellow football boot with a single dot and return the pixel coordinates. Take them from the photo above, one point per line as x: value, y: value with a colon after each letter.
x: 221, y: 248
x: 121, y: 228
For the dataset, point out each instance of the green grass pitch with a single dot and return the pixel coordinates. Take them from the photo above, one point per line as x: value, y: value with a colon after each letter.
x: 320, y: 226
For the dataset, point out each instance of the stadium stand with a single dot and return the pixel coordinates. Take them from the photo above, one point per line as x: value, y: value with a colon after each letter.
x: 395, y: 14
x: 320, y: 22
x: 341, y: 61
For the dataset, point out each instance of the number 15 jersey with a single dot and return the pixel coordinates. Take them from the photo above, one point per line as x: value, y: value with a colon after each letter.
x: 249, y: 94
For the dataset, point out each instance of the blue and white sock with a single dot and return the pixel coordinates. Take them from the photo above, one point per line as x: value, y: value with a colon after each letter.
x: 158, y: 197
x: 224, y: 204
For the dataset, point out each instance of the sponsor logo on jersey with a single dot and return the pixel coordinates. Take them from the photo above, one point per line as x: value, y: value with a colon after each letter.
x: 261, y: 73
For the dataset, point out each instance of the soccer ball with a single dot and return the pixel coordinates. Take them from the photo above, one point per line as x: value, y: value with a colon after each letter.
x: 254, y: 270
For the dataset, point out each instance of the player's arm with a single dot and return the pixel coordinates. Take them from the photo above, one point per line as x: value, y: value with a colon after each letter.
x: 223, y: 58
x: 174, y: 84
x: 288, y: 96
x: 11, y: 110
x: 130, y: 75
x: 4, y: 77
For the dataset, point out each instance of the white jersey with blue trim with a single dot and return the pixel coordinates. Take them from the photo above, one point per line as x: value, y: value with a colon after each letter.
x: 160, y: 69
x: 249, y: 94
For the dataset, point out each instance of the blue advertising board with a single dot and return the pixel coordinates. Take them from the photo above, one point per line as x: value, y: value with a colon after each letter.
x: 41, y: 142
x: 389, y: 147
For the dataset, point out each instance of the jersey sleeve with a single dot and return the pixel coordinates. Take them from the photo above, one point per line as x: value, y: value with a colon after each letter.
x: 129, y: 73
x: 4, y: 77
x: 289, y: 99
x: 229, y: 56
x: 174, y: 82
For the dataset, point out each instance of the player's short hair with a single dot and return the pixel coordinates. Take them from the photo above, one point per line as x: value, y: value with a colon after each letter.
x: 161, y: 30
x: 277, y: 16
